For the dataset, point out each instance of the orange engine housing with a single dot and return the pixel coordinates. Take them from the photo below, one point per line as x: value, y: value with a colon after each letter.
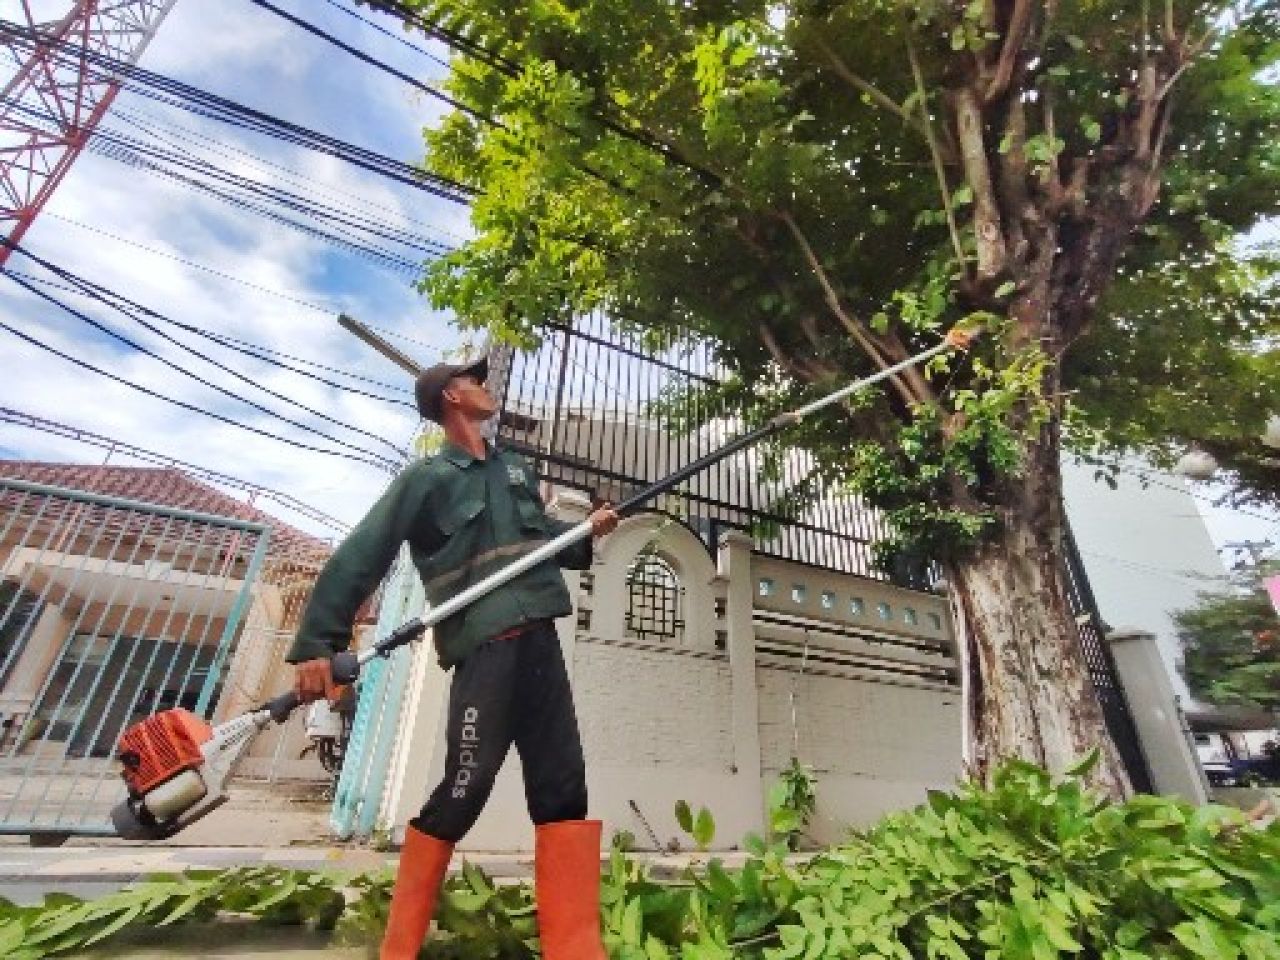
x: 161, y: 747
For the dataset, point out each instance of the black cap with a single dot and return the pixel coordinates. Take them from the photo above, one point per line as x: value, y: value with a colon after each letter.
x: 431, y: 383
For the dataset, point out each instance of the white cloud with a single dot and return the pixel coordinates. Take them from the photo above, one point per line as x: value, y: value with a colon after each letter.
x: 238, y: 51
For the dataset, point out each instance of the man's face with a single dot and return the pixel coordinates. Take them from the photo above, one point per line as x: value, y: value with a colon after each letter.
x: 471, y: 398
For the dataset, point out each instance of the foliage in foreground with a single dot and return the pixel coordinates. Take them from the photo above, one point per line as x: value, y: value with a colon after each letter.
x: 1028, y: 868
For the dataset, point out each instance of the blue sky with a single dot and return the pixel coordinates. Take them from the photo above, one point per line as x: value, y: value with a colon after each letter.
x: 240, y: 51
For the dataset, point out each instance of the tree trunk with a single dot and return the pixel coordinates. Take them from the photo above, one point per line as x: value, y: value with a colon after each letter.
x: 1030, y: 693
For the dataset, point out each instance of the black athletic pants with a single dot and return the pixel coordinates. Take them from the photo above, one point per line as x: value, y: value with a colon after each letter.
x: 512, y: 690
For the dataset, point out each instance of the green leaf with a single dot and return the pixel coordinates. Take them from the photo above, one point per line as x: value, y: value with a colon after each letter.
x: 684, y: 816
x: 632, y: 925
x: 185, y: 907
x: 12, y: 935
x: 704, y: 828
x: 1085, y: 765
x: 125, y: 918
x: 1005, y: 289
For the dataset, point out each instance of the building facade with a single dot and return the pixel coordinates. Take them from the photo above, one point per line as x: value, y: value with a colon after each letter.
x: 125, y: 591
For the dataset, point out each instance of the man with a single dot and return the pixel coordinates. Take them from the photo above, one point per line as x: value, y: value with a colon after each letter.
x: 466, y: 513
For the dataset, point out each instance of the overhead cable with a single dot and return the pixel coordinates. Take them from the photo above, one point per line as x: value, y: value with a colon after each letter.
x: 387, y: 33
x: 257, y: 351
x: 202, y: 103
x: 130, y: 308
x: 362, y: 454
x: 84, y: 364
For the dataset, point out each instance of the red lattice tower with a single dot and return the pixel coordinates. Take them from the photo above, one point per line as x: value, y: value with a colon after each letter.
x: 62, y: 88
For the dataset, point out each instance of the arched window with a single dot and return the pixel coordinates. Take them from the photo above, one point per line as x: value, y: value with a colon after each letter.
x: 655, y: 600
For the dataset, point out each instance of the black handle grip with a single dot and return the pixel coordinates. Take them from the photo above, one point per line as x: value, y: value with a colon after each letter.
x: 282, y: 706
x: 344, y: 667
x: 405, y: 633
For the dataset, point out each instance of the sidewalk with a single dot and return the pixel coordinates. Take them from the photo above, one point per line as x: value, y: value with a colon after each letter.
x: 121, y: 865
x: 92, y: 871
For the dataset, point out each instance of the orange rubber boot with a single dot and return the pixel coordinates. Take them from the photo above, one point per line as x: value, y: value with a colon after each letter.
x: 423, y: 862
x: 567, y: 883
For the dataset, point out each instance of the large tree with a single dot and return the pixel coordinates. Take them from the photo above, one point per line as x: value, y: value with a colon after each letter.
x: 822, y: 188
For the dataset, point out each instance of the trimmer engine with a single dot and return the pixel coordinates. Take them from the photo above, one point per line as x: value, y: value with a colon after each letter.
x: 176, y: 768
x: 160, y: 748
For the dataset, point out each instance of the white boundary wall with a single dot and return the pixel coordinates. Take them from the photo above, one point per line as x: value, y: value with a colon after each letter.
x: 853, y: 676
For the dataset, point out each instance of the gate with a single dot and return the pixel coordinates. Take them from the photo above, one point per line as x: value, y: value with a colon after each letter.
x: 110, y: 610
x: 1102, y: 669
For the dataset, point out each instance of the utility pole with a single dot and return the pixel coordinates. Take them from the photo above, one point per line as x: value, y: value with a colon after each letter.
x: 50, y: 107
x: 394, y: 354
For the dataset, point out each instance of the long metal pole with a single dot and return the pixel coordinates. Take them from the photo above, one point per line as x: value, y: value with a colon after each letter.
x: 956, y: 339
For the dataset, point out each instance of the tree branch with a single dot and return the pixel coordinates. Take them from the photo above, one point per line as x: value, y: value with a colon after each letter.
x: 992, y: 254
x: 860, y: 334
x: 1012, y: 181
x: 842, y: 70
x: 943, y: 189
x: 874, y: 93
x: 1015, y: 36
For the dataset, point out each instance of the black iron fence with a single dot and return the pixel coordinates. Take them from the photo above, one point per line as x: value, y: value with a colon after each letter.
x: 599, y: 410
x: 1102, y: 668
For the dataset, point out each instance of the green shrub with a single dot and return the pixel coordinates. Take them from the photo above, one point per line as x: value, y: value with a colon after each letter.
x: 1029, y: 868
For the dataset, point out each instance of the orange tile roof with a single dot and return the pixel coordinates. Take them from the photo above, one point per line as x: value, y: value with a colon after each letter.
x: 163, y: 486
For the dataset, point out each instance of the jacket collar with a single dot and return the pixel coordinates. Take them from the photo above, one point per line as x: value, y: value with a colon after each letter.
x: 461, y: 458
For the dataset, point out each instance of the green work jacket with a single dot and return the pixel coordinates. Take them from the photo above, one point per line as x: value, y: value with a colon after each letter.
x: 463, y: 518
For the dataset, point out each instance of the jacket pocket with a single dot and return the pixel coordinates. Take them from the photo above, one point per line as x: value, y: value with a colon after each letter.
x: 459, y: 516
x: 532, y: 516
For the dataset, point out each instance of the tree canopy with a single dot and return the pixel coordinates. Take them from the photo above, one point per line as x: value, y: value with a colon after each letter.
x: 823, y: 187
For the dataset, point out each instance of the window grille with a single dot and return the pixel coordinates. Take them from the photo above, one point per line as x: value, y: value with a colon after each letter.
x: 655, y: 600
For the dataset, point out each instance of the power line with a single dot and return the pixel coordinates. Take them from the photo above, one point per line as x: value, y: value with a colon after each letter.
x: 1156, y: 479
x: 383, y: 257
x: 84, y: 364
x: 379, y: 460
x: 175, y: 93
x: 191, y: 263
x: 512, y: 68
x: 458, y: 105
x: 31, y: 421
x: 322, y: 210
x: 240, y: 346
x: 249, y: 347
x: 114, y: 300
x: 372, y: 61
x: 186, y: 137
x: 385, y: 32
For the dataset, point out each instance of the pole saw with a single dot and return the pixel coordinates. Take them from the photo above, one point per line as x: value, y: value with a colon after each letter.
x: 176, y: 766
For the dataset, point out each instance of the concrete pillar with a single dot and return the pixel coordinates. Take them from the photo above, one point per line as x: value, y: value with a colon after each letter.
x: 33, y: 664
x: 256, y: 656
x: 1162, y: 731
x: 734, y: 565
